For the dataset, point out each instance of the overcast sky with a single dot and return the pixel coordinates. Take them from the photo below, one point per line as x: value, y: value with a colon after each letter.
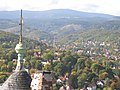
x: 98, y: 6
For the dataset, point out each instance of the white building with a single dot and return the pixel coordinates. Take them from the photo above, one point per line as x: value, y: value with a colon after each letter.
x: 42, y: 80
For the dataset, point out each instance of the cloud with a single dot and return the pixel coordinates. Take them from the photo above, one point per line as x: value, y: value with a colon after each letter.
x: 90, y: 7
x: 55, y: 2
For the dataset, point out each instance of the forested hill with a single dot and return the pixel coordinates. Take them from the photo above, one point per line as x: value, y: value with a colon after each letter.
x: 9, y: 41
x: 55, y: 13
x: 57, y: 24
x: 87, y: 46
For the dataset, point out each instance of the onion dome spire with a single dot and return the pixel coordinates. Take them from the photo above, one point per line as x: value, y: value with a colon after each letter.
x: 20, y: 49
x: 20, y: 79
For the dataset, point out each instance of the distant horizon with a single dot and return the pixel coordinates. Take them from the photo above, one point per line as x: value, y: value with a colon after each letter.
x: 110, y: 7
x: 56, y: 9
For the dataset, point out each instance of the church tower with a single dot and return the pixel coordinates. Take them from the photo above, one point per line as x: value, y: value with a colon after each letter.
x: 20, y: 79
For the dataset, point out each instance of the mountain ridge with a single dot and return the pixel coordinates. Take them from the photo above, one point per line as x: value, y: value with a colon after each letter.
x: 60, y: 23
x: 59, y: 13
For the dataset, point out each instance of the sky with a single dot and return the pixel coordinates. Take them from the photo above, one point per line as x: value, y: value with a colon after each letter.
x: 95, y: 6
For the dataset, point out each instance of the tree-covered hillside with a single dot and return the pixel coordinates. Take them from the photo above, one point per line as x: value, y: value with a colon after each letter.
x: 9, y: 41
x: 63, y: 26
x: 86, y: 47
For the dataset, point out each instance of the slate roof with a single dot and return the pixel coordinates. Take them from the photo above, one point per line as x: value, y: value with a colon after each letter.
x: 17, y: 81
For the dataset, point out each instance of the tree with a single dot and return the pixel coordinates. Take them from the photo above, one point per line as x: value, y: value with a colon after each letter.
x: 2, y: 78
x: 27, y: 64
x: 32, y: 71
x: 107, y: 88
x: 81, y: 79
x: 10, y: 66
x: 103, y: 75
x: 32, y: 63
x: 48, y: 56
x: 80, y: 64
x: 116, y: 72
x: 38, y: 65
x: 69, y: 61
x: 60, y: 69
x: 73, y: 80
x: 4, y: 68
x: 110, y: 73
x: 47, y: 67
x: 92, y: 77
x: 96, y: 67
x: 12, y: 55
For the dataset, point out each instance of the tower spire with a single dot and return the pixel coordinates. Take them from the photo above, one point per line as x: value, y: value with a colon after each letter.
x: 19, y: 79
x: 21, y: 27
x: 20, y: 49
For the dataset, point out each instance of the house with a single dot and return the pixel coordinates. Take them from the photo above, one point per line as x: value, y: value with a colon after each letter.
x: 42, y: 80
x: 91, y: 87
x: 65, y: 88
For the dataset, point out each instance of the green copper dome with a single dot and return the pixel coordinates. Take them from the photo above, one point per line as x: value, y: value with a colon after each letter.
x: 20, y: 49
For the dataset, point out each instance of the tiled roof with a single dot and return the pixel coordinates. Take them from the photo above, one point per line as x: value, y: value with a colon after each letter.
x: 17, y: 81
